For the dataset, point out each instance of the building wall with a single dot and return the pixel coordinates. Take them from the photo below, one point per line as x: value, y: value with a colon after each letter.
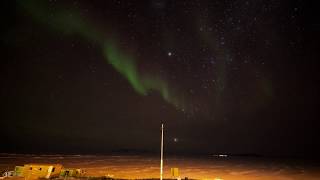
x: 35, y: 171
x: 18, y: 170
x: 57, y: 170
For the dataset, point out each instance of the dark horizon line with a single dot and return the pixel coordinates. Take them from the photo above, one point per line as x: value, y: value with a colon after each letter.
x: 152, y: 153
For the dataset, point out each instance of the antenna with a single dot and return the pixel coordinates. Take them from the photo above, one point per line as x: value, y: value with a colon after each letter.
x: 161, y: 155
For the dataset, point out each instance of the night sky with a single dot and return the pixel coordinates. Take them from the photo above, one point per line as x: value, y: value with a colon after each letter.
x: 100, y: 76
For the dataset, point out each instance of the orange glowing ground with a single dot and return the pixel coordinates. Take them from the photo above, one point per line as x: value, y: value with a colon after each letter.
x: 204, y: 167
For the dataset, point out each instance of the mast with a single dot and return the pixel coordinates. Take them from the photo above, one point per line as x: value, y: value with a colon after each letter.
x: 161, y: 155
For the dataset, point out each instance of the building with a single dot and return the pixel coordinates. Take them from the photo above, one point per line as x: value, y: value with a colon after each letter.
x: 18, y: 170
x: 72, y: 172
x: 35, y: 171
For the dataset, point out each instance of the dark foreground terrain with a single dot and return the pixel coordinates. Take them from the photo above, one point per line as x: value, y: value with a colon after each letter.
x: 200, y: 167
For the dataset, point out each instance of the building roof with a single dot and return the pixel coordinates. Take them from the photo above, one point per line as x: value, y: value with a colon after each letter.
x: 42, y: 164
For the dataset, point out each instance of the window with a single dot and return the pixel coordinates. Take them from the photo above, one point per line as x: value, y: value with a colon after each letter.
x: 53, y: 169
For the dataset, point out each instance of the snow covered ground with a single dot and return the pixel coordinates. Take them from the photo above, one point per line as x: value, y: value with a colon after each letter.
x: 200, y: 167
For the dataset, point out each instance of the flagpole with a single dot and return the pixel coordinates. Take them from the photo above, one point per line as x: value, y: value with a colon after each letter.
x: 161, y: 155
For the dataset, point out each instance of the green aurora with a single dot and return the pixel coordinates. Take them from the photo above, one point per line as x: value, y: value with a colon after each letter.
x: 71, y: 23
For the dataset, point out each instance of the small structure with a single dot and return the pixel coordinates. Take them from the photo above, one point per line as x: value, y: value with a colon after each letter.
x: 175, y: 173
x: 36, y: 171
x: 72, y: 172
x: 18, y: 170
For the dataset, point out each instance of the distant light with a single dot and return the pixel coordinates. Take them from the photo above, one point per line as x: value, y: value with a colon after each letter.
x: 169, y: 53
x: 175, y: 139
x: 220, y: 155
x: 223, y: 155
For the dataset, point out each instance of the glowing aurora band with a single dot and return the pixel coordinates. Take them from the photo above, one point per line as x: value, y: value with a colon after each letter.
x: 72, y: 23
